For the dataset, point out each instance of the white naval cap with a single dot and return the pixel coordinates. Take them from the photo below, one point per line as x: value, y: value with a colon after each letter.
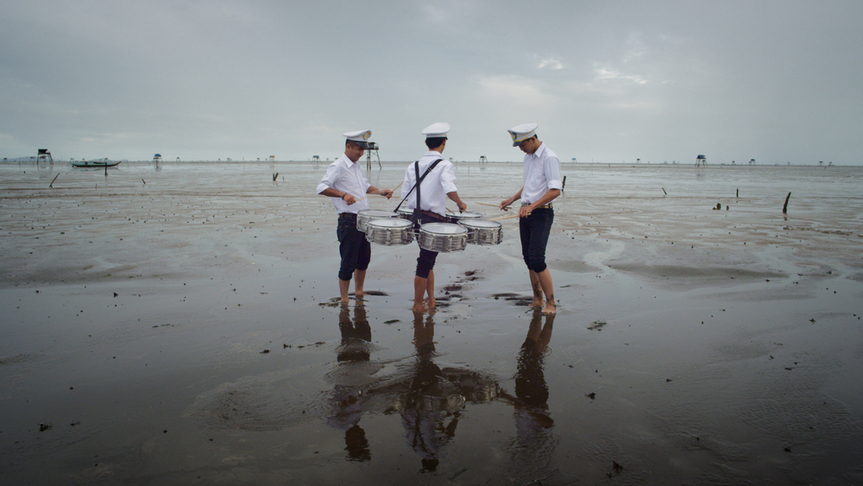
x: 359, y: 137
x: 436, y: 130
x: 521, y: 133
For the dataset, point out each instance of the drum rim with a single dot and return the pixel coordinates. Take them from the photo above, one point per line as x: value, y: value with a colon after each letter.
x: 465, y: 214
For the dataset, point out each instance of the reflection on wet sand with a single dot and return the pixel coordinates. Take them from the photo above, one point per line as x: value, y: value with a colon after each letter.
x: 429, y: 398
x: 429, y: 403
x: 354, y: 349
x: 534, y: 444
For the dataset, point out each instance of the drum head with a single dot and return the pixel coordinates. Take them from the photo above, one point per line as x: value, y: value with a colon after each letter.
x: 480, y: 224
x: 466, y: 215
x: 443, y: 228
x: 387, y: 223
x: 376, y: 213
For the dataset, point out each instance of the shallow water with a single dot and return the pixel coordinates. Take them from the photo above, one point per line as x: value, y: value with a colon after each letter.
x: 179, y: 326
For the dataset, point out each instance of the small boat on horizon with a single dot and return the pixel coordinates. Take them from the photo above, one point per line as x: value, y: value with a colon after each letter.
x: 95, y: 163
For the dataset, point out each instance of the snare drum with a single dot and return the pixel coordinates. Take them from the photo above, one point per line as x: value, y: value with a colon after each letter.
x: 483, y: 232
x: 459, y: 217
x: 366, y: 215
x: 405, y: 213
x: 442, y: 237
x: 390, y: 231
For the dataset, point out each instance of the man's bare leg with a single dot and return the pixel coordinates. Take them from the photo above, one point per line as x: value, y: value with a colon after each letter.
x: 431, y: 303
x: 359, y: 280
x: 544, y: 278
x: 537, y: 289
x: 420, y: 285
x: 344, y: 285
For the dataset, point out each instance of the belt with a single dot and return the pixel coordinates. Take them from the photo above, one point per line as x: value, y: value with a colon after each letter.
x: 544, y: 206
x: 348, y: 216
x: 431, y: 214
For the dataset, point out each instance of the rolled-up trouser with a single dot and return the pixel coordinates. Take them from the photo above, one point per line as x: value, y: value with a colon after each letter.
x: 355, y: 250
x: 534, y: 231
x: 426, y: 260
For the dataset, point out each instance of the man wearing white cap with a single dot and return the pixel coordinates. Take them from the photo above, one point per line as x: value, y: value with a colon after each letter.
x: 542, y: 183
x: 437, y: 177
x: 346, y: 184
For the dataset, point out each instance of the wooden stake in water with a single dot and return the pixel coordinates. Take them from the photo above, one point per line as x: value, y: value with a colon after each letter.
x: 785, y: 207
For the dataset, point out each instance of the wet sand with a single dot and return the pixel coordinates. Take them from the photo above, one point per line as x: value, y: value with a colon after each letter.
x: 181, y: 326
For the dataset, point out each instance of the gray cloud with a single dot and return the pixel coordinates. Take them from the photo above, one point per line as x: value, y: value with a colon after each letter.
x: 607, y: 81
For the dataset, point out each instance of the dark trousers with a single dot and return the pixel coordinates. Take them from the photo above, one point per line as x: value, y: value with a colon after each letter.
x: 427, y: 258
x: 355, y: 250
x: 534, y: 231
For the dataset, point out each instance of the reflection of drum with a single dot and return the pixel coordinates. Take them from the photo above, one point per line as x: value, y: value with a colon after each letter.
x: 390, y: 231
x: 482, y: 232
x: 366, y: 215
x: 459, y: 217
x: 442, y: 237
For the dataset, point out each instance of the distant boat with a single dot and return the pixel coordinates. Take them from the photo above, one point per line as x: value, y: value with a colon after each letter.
x: 95, y: 163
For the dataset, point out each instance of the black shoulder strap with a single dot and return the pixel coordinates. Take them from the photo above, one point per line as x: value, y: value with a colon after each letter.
x: 419, y: 180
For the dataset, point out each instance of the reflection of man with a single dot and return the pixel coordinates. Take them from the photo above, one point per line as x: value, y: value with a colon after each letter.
x: 356, y: 334
x: 425, y: 407
x: 534, y: 425
x: 348, y: 397
x: 345, y: 183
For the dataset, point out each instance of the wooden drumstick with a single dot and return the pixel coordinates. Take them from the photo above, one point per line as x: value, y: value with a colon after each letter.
x: 504, y: 217
x: 494, y: 206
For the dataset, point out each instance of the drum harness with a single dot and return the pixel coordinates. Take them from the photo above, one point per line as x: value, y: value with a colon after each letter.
x: 417, y: 211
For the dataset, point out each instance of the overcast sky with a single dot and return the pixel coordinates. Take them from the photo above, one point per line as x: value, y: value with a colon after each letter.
x: 608, y: 81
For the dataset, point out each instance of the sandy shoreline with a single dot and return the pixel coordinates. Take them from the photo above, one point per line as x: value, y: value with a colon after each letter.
x: 692, y: 345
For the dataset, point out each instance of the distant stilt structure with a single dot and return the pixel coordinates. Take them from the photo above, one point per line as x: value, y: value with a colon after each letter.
x: 44, y: 157
x: 373, y: 147
x: 482, y: 159
x: 700, y: 165
x: 316, y: 158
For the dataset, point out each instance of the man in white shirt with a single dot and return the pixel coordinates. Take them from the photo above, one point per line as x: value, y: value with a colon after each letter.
x: 542, y: 183
x: 346, y: 184
x: 436, y: 187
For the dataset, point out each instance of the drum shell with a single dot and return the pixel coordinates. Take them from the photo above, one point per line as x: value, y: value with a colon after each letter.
x: 405, y: 213
x: 442, y: 237
x: 483, y: 232
x: 389, y: 231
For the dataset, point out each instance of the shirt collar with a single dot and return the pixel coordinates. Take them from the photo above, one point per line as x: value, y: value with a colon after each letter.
x: 347, y: 162
x: 538, y: 152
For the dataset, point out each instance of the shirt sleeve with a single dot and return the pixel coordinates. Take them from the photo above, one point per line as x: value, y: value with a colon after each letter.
x: 330, y: 178
x: 406, y: 184
x: 447, y: 179
x: 552, y: 172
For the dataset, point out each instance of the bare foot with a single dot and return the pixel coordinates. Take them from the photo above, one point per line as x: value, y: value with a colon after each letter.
x: 419, y: 308
x: 431, y: 303
x: 359, y: 294
x: 550, y: 309
x: 535, y: 303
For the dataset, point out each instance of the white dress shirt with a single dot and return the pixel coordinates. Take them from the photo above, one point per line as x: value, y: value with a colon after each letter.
x: 435, y: 186
x: 541, y: 174
x: 346, y: 176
